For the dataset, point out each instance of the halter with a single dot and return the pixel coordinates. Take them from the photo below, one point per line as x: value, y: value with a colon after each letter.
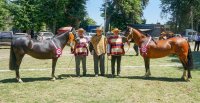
x: 58, y: 50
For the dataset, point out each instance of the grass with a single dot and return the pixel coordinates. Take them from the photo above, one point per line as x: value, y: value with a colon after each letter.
x: 163, y: 86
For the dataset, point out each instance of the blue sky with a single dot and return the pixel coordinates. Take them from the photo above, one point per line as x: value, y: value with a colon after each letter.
x: 151, y: 12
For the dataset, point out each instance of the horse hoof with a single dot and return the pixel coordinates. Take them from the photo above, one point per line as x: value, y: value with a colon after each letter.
x: 53, y: 79
x: 147, y: 75
x: 185, y: 79
x: 20, y: 81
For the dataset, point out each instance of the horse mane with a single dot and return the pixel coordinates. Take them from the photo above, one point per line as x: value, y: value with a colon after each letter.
x: 72, y: 30
x: 141, y: 32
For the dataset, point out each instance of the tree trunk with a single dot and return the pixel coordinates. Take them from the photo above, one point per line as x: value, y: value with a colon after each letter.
x: 107, y: 24
x: 54, y: 26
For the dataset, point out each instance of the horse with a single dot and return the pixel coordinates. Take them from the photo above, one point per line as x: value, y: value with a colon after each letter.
x: 161, y: 48
x: 46, y: 49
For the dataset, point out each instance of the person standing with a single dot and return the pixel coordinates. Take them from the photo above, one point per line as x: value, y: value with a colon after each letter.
x: 81, y: 51
x: 197, y: 42
x: 98, y: 50
x: 135, y: 47
x: 115, y: 43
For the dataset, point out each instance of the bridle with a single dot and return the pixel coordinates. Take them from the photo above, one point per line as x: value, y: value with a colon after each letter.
x: 71, y: 39
x: 130, y: 35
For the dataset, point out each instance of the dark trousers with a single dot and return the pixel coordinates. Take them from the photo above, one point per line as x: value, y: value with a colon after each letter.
x: 196, y: 45
x: 135, y: 47
x: 99, y: 59
x: 113, y: 59
x: 78, y: 60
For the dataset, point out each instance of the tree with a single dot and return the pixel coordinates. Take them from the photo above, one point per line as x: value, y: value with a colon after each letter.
x: 86, y: 22
x: 75, y: 12
x: 120, y: 13
x: 25, y: 14
x: 59, y: 13
x: 184, y: 12
x: 4, y: 15
x: 33, y: 14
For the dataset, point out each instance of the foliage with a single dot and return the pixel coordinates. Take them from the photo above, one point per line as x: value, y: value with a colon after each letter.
x: 4, y: 15
x: 60, y: 13
x: 33, y: 14
x: 25, y: 14
x: 182, y: 12
x: 119, y: 13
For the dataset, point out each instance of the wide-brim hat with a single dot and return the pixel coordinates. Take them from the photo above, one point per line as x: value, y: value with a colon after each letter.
x: 163, y: 33
x: 80, y: 30
x: 99, y: 29
x: 116, y: 30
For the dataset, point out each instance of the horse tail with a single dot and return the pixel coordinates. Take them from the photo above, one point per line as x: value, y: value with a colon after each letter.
x: 189, y: 57
x: 13, y: 59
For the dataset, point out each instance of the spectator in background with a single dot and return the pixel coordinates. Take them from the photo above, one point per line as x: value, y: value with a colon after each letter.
x: 135, y: 47
x: 197, y: 42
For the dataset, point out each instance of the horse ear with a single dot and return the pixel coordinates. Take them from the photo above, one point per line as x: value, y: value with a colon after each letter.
x: 128, y: 27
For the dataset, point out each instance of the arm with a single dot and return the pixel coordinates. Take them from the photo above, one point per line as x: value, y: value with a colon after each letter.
x: 91, y: 47
x: 108, y: 47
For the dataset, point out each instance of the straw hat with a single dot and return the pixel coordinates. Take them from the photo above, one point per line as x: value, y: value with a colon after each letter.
x: 163, y: 33
x: 80, y: 30
x: 99, y: 29
x: 116, y: 30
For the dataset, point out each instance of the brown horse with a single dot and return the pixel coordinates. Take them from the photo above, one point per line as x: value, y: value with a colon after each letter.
x: 46, y: 49
x: 161, y: 48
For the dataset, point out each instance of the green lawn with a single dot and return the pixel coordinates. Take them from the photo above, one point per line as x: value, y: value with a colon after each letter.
x: 164, y: 85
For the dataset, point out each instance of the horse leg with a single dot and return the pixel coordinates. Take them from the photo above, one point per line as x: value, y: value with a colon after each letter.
x: 18, y: 63
x: 54, y: 60
x: 147, y: 63
x: 189, y: 74
x: 185, y: 72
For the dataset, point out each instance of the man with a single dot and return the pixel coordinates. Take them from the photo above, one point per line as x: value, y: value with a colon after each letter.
x: 98, y: 50
x: 81, y: 51
x: 115, y: 43
x: 197, y: 42
x: 135, y: 47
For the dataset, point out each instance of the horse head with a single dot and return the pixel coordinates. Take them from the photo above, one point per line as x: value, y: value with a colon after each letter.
x: 134, y: 34
x: 71, y: 38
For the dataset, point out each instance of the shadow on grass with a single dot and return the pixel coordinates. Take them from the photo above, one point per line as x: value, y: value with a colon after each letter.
x: 88, y: 75
x: 166, y: 79
x: 74, y: 75
x: 13, y: 80
x: 130, y: 55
